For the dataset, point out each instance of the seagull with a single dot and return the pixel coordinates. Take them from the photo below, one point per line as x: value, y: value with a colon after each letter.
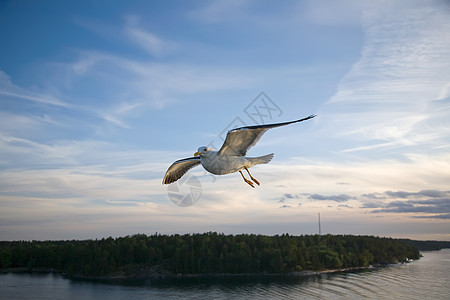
x: 231, y: 156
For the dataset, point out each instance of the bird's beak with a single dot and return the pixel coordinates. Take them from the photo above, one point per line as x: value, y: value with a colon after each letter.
x: 197, y: 153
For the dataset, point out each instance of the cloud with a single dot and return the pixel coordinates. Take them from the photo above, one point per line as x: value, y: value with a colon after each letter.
x: 433, y: 203
x: 410, y: 207
x: 287, y: 197
x: 145, y: 39
x: 138, y: 84
x: 445, y: 93
x: 399, y: 194
x: 387, y: 100
x: 345, y: 206
x: 219, y: 11
x: 374, y: 195
x: 433, y: 193
x: 426, y: 193
x: 332, y: 13
x: 440, y: 216
x: 26, y: 125
x: 10, y: 90
x: 336, y: 198
x: 133, y: 30
x: 290, y: 196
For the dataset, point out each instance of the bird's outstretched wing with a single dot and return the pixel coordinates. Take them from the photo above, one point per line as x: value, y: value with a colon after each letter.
x: 179, y: 168
x: 239, y: 140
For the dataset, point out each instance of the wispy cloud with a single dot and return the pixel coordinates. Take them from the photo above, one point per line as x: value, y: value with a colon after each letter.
x: 145, y: 39
x: 11, y: 92
x: 8, y: 89
x: 387, y: 99
x: 143, y: 82
x: 219, y: 11
x: 332, y: 13
x: 439, y: 216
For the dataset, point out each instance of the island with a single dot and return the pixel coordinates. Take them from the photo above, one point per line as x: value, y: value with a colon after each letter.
x: 207, y: 254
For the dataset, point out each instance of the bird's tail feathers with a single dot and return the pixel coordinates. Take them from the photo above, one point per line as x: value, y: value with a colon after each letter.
x: 261, y: 159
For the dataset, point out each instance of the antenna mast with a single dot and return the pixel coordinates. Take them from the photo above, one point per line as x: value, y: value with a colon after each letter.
x: 320, y: 231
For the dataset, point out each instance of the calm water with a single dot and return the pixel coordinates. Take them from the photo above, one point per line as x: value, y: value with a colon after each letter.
x: 427, y: 278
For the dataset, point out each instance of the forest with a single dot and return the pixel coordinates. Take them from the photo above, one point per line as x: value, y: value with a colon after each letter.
x: 207, y: 253
x: 428, y: 245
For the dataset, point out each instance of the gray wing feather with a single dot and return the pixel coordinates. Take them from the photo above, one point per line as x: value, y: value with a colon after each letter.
x: 179, y: 168
x: 239, y: 140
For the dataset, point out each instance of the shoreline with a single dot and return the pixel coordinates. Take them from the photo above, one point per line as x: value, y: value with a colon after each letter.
x: 158, y: 274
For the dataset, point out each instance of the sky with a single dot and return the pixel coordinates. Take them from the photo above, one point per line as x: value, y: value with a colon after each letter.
x: 98, y: 98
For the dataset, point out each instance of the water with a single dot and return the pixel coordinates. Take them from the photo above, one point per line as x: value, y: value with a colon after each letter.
x: 427, y: 278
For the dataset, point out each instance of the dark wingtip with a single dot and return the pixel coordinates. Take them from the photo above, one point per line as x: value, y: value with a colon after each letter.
x: 304, y: 119
x: 167, y: 180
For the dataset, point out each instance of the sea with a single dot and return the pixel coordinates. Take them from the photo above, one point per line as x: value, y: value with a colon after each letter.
x: 426, y: 278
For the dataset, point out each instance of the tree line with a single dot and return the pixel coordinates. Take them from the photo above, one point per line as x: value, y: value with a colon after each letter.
x: 208, y: 253
x: 428, y: 245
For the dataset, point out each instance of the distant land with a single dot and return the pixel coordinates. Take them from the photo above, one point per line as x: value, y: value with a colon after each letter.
x: 427, y: 245
x: 161, y: 256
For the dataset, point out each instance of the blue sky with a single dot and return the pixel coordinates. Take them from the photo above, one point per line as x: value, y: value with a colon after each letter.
x: 98, y: 98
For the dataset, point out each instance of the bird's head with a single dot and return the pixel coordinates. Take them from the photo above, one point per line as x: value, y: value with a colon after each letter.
x: 201, y: 151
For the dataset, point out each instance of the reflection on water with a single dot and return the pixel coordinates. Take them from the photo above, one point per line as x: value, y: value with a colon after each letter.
x: 426, y: 278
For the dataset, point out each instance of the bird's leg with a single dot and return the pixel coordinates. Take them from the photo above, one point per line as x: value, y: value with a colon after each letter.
x: 246, y: 180
x: 256, y: 181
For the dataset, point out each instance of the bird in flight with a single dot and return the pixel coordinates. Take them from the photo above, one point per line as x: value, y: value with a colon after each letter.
x: 231, y: 156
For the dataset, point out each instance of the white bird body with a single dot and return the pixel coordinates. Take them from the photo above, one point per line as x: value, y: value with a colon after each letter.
x: 225, y: 164
x: 231, y: 156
